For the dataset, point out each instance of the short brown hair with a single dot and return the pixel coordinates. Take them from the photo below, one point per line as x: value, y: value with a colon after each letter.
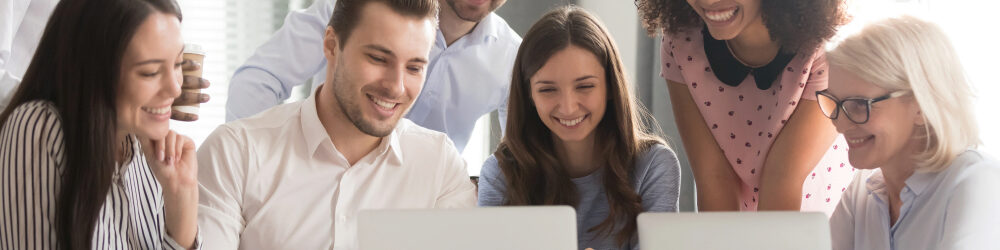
x: 347, y: 13
x: 799, y: 25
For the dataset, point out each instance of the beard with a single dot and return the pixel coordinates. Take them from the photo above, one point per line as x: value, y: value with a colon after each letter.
x: 472, y: 15
x: 351, y: 107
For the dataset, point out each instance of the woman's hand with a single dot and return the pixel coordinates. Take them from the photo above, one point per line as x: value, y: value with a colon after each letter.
x: 174, y: 164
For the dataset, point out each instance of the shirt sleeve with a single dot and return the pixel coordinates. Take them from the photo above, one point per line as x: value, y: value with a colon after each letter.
x: 669, y: 69
x: 970, y: 220
x: 842, y: 220
x: 290, y: 57
x: 457, y: 189
x: 170, y: 244
x: 492, y: 186
x: 818, y: 77
x: 31, y: 149
x: 660, y: 182
x: 222, y: 161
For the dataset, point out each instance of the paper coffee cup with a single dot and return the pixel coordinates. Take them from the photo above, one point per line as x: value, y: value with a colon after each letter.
x: 196, y: 53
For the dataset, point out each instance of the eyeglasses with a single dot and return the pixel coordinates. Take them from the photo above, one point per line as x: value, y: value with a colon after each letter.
x: 857, y: 109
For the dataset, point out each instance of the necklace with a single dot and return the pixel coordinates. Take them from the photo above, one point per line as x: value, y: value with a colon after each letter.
x: 737, y: 57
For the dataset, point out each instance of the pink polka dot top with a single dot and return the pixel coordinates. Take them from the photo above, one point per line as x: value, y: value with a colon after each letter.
x: 745, y: 119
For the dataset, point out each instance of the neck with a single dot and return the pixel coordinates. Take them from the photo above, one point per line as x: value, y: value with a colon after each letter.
x: 899, y: 168
x: 578, y: 157
x: 346, y: 137
x: 453, y: 27
x: 754, y: 46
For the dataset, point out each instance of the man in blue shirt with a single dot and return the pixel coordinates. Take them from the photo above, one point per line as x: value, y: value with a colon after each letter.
x: 468, y: 74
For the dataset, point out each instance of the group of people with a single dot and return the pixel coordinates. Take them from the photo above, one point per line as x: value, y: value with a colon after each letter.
x: 879, y: 132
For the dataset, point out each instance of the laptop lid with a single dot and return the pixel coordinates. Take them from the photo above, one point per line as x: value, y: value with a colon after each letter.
x: 532, y: 227
x: 734, y: 230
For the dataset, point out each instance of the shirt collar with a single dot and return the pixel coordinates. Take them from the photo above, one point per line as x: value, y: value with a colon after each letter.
x: 315, y: 134
x: 919, y: 181
x: 312, y: 129
x: 732, y: 72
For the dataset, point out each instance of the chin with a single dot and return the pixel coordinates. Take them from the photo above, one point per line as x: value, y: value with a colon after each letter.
x: 155, y: 132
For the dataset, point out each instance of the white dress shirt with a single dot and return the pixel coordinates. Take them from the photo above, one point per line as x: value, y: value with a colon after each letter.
x: 465, y: 81
x: 952, y: 209
x: 276, y: 181
x: 21, y: 25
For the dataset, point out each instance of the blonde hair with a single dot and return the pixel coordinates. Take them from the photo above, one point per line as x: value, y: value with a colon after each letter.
x: 908, y: 53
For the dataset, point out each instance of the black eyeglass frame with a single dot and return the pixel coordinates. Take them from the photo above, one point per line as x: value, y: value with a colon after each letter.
x: 867, y: 101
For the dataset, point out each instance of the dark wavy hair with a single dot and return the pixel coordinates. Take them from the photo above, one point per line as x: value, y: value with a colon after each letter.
x: 534, y: 175
x: 799, y: 25
x: 77, y: 68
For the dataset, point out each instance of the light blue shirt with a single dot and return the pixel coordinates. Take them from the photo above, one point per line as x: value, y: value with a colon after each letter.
x: 657, y: 178
x: 956, y: 208
x: 465, y: 81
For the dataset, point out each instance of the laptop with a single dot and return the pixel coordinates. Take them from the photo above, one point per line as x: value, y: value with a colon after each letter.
x: 506, y: 228
x: 734, y: 230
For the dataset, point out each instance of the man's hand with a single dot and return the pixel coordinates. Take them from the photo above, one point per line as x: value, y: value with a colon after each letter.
x: 189, y: 98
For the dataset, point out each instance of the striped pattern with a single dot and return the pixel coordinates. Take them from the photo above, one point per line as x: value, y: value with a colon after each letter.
x: 31, y: 153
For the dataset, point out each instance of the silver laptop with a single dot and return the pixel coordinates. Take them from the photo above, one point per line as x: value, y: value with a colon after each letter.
x: 506, y: 228
x: 734, y: 230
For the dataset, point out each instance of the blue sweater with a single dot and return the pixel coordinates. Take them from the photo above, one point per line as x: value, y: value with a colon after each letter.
x: 657, y: 181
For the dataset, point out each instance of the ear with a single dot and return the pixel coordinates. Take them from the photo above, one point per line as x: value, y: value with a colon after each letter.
x: 331, y: 47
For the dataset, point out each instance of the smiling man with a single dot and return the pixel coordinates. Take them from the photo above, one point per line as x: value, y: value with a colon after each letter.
x: 296, y: 176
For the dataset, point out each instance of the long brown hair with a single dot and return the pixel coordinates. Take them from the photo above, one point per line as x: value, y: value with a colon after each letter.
x: 76, y: 68
x: 534, y: 175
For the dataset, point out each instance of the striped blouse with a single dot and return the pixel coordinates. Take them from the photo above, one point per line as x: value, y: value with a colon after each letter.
x: 31, y: 155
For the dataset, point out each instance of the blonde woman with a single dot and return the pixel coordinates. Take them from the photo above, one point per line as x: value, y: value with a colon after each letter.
x: 900, y: 97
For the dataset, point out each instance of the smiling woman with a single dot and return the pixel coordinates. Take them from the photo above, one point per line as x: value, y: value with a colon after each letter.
x: 77, y: 132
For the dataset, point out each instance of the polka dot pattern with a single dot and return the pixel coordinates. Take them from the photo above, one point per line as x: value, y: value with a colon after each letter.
x: 745, y: 120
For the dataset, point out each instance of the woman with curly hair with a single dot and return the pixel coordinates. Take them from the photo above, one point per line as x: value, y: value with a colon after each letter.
x: 740, y: 74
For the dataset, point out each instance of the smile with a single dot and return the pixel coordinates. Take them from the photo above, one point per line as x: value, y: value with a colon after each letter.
x: 571, y: 122
x: 721, y: 15
x: 157, y: 111
x: 384, y: 104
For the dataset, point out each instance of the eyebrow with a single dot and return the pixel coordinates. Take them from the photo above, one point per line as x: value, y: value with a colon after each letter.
x: 385, y: 50
x: 155, y: 60
x: 576, y: 80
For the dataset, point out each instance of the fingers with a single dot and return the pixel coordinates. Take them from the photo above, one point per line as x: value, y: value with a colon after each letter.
x: 179, y: 142
x: 189, y: 65
x: 170, y: 148
x: 181, y: 116
x: 194, y: 82
x: 189, y: 98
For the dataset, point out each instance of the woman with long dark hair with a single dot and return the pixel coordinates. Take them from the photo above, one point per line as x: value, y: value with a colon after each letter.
x: 576, y: 136
x: 741, y: 74
x: 87, y: 160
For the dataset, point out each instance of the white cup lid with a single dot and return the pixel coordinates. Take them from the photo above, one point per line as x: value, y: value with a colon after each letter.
x: 193, y: 49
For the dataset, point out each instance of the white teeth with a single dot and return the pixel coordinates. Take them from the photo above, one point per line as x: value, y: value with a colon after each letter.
x: 857, y: 141
x: 384, y: 104
x: 719, y: 16
x: 157, y: 111
x: 570, y: 123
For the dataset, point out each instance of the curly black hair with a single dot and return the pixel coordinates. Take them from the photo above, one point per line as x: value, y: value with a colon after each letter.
x: 800, y: 25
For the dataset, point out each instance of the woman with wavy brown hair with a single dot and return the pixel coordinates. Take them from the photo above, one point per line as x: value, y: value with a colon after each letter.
x: 740, y: 74
x: 575, y: 135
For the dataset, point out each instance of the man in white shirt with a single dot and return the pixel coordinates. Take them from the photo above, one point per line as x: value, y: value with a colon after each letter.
x: 296, y: 176
x: 468, y: 74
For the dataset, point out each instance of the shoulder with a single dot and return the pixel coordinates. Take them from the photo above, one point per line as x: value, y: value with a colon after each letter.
x: 974, y: 171
x: 506, y: 35
x: 657, y: 157
x: 36, y: 116
x: 277, y: 116
x: 491, y: 168
x: 432, y: 147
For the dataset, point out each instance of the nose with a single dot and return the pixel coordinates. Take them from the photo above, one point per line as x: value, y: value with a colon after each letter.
x: 569, y: 103
x: 842, y: 123
x: 394, y: 82
x: 172, y: 82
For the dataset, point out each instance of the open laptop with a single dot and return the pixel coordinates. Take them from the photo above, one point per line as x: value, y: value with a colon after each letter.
x: 734, y: 230
x: 535, y: 227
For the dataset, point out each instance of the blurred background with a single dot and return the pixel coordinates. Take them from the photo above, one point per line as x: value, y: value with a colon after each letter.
x: 230, y: 31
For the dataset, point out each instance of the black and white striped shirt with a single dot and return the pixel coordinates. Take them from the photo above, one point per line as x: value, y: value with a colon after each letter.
x: 31, y: 155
